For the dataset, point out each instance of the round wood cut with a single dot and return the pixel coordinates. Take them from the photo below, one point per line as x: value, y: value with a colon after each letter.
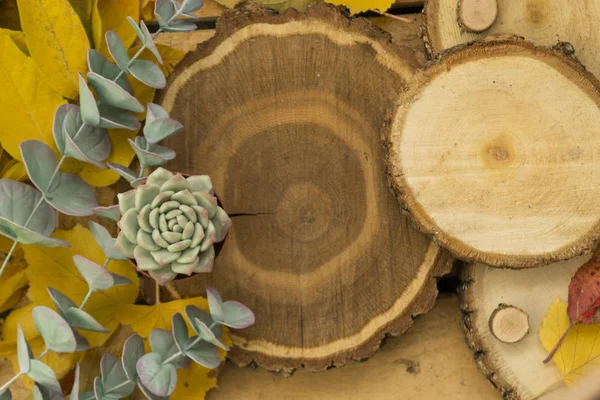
x: 285, y: 113
x: 477, y: 15
x: 509, y: 324
x: 515, y: 369
x: 495, y: 152
x: 544, y: 22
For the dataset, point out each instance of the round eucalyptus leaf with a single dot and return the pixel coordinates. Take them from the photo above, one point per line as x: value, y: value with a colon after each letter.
x: 6, y: 395
x: 57, y: 126
x: 17, y: 201
x: 86, y: 396
x: 62, y: 302
x: 189, y: 6
x: 148, y: 73
x: 133, y: 350
x: 110, y: 212
x: 123, y: 171
x: 96, y: 277
x: 146, y: 158
x: 138, y: 31
x: 80, y: 319
x: 114, y: 380
x: 208, y: 335
x: 236, y: 315
x: 82, y: 343
x: 117, y: 50
x: 44, y: 376
x: 120, y: 280
x: 149, y: 42
x: 75, y: 389
x: 161, y: 342
x: 24, y: 354
x: 56, y: 332
x: 164, y: 10
x: 105, y: 241
x: 98, y: 64
x: 73, y: 196
x: 158, y: 124
x: 159, y: 379
x: 179, y: 331
x: 43, y: 393
x: 180, y: 26
x: 92, y: 147
x: 99, y: 390
x: 115, y: 118
x: 111, y: 93
x: 194, y: 313
x: 204, y: 353
x: 89, y: 109
x: 215, y: 304
x: 149, y: 395
x: 40, y: 163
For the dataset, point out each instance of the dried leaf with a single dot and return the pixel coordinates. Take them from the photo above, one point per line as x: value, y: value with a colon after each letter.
x: 13, y: 283
x: 584, y: 292
x: 358, y: 6
x: 19, y: 38
x: 110, y: 15
x: 14, y: 170
x: 57, y: 270
x: 27, y: 103
x: 193, y: 381
x: 9, y: 15
x: 57, y: 42
x: 279, y: 5
x: 580, y: 349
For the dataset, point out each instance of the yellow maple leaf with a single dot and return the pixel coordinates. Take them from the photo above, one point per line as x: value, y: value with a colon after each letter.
x: 27, y: 103
x: 61, y: 364
x: 54, y: 267
x: 581, y: 348
x: 57, y: 42
x: 193, y: 381
x: 358, y: 6
x: 110, y: 15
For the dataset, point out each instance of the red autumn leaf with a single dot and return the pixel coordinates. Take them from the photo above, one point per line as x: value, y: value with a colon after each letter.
x: 584, y: 292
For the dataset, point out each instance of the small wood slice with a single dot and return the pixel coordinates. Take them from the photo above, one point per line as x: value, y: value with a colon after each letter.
x: 285, y: 113
x: 496, y: 153
x: 516, y: 369
x: 509, y: 324
x: 477, y: 15
x: 544, y: 22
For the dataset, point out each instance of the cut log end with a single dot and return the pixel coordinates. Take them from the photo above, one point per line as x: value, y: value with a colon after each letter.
x: 502, y: 170
x: 319, y: 248
x: 509, y: 324
x: 477, y: 15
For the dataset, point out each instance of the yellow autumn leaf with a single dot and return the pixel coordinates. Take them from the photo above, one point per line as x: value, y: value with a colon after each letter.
x: 19, y: 38
x: 54, y: 267
x: 147, y: 10
x: 111, y: 15
x: 193, y: 381
x: 27, y: 103
x: 57, y: 42
x: 13, y: 283
x: 14, y: 170
x: 61, y: 364
x: 358, y: 6
x: 9, y: 15
x: 581, y: 348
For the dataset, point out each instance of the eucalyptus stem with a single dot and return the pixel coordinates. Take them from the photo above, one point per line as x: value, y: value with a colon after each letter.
x: 136, y: 55
x: 46, y: 351
x: 180, y: 353
x: 10, y: 382
x: 86, y: 298
x: 8, y: 256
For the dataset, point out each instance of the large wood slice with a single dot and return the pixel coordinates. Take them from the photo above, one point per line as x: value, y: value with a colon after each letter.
x: 285, y: 113
x: 545, y: 22
x: 515, y: 369
x: 495, y: 152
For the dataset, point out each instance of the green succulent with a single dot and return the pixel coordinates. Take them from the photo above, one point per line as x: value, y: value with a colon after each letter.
x: 170, y: 224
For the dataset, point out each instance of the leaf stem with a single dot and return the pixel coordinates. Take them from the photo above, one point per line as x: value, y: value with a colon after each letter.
x: 119, y: 386
x: 43, y: 354
x: 106, y: 263
x: 560, y: 341
x: 180, y: 353
x: 8, y: 256
x: 10, y: 382
x: 136, y: 55
x: 86, y: 298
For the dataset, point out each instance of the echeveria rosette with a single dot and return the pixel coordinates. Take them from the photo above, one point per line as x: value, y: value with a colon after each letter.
x: 170, y: 224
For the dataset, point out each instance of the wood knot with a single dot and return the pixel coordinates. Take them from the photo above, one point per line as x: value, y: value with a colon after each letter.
x: 498, y: 153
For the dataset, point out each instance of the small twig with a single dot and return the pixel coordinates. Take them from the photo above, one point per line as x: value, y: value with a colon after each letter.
x: 157, y: 292
x: 408, y: 20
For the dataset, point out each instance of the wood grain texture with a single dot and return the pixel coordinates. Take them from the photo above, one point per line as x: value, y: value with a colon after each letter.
x: 544, y: 22
x: 515, y: 369
x: 431, y: 361
x: 285, y: 113
x: 495, y: 153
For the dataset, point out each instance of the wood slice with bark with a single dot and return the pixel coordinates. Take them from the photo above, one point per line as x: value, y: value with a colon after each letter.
x: 285, y: 113
x: 494, y: 151
x: 544, y: 22
x: 515, y: 369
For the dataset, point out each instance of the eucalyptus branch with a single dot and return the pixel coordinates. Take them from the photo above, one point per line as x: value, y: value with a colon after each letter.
x: 10, y: 382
